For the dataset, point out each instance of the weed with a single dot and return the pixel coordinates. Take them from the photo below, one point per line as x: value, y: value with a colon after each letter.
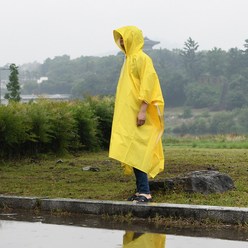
x: 127, y: 218
x: 120, y: 218
x: 59, y: 212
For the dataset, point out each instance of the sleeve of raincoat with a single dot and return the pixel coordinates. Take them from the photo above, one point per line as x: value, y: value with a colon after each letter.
x: 149, y: 82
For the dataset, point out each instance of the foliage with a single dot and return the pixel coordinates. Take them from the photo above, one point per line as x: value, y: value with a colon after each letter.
x: 201, y: 95
x: 237, y: 95
x: 231, y: 122
x: 13, y: 86
x: 175, y: 94
x: 216, y: 79
x: 14, y: 128
x: 216, y: 60
x: 103, y: 109
x: 86, y: 125
x: 63, y: 127
x: 190, y: 58
x: 242, y: 120
x: 187, y: 113
x: 40, y: 127
x: 57, y: 127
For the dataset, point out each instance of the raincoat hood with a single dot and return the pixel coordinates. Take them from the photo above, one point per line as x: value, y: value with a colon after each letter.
x: 132, y: 38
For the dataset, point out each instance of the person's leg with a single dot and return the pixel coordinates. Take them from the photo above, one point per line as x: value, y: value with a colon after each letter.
x: 142, y: 183
x: 134, y: 196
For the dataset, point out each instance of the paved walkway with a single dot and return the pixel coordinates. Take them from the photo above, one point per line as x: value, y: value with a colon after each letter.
x: 228, y: 215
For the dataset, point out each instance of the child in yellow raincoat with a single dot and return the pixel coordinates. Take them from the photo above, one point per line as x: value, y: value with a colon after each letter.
x: 138, y: 116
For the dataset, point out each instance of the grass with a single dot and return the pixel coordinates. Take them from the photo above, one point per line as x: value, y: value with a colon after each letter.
x: 45, y: 178
x: 209, y: 141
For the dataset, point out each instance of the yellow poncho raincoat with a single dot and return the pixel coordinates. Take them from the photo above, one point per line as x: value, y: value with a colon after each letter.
x: 146, y: 240
x: 134, y: 146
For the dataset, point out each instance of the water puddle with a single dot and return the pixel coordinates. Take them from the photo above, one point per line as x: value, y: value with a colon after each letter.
x: 27, y: 231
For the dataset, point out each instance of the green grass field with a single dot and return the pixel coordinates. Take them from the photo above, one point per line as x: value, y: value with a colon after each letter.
x: 44, y: 177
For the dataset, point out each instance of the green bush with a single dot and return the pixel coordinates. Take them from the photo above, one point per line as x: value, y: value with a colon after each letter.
x: 14, y: 129
x: 40, y: 127
x: 187, y: 113
x: 45, y: 126
x: 64, y: 134
x: 198, y: 126
x: 201, y: 96
x: 86, y: 125
x: 223, y: 123
x: 243, y: 120
x: 232, y: 122
x: 103, y: 109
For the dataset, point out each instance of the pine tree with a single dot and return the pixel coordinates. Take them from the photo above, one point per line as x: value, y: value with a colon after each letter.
x: 13, y: 86
x: 189, y: 57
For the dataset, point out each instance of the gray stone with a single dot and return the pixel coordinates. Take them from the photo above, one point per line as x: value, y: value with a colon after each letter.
x: 18, y: 202
x: 206, y: 182
x: 90, y: 168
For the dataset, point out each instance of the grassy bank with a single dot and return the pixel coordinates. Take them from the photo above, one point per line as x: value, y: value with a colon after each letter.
x: 231, y: 141
x: 48, y: 177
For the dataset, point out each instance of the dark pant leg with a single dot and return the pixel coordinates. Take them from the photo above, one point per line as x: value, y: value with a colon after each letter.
x: 142, y: 182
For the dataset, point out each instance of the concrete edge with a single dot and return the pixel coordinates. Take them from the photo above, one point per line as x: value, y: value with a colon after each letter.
x: 228, y: 215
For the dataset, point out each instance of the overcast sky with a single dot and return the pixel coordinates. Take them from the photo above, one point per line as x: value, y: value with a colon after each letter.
x: 33, y: 30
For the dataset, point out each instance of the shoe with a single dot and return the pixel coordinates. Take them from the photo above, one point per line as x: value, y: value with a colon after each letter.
x: 132, y: 198
x: 142, y: 198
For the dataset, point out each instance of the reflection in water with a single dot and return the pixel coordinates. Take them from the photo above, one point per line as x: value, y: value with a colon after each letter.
x: 38, y: 234
x: 143, y: 240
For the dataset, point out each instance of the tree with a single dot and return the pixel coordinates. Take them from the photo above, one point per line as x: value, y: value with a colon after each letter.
x: 237, y: 93
x: 201, y: 95
x: 216, y: 60
x: 246, y: 46
x: 189, y: 57
x: 174, y: 90
x: 245, y: 53
x: 13, y: 86
x: 234, y: 62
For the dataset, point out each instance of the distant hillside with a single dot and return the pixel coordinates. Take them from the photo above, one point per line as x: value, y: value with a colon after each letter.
x: 215, y: 79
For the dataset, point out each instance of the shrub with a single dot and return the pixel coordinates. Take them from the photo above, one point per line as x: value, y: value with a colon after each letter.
x: 103, y: 109
x: 13, y: 129
x: 223, y: 123
x: 63, y: 127
x: 40, y: 126
x: 200, y: 96
x: 187, y: 113
x: 86, y: 125
x: 45, y: 126
x: 243, y: 120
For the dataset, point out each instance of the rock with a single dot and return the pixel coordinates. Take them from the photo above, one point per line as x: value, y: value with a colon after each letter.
x: 166, y: 184
x: 90, y: 168
x: 206, y: 182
